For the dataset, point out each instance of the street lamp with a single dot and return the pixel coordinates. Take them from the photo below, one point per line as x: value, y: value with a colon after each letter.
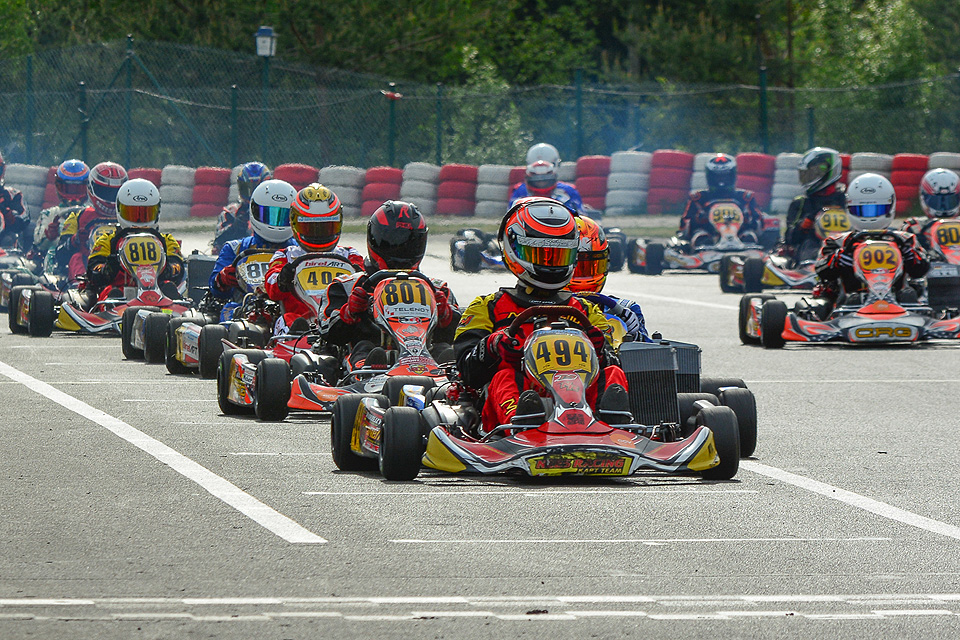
x: 266, y: 48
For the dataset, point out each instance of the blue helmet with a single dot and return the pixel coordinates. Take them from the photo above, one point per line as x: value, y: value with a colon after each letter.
x: 71, y: 181
x: 250, y: 176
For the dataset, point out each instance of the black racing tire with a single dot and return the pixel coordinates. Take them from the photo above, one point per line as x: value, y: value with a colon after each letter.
x: 301, y: 363
x: 272, y: 390
x: 223, y: 370
x: 472, y: 258
x: 155, y: 337
x: 24, y: 279
x: 174, y: 366
x: 689, y: 411
x: 632, y: 265
x: 394, y: 385
x: 343, y: 416
x: 744, y: 405
x: 753, y: 269
x: 724, y: 273
x: 746, y: 338
x: 618, y: 254
x: 248, y: 334
x: 401, y: 444
x: 126, y: 335
x: 209, y: 349
x: 713, y: 385
x: 773, y: 317
x: 722, y: 421
x: 453, y: 251
x: 654, y: 259
x: 13, y: 310
x: 42, y: 314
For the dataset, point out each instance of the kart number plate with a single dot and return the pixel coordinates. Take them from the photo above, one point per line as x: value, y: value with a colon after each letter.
x: 406, y: 299
x: 142, y: 251
x: 724, y: 213
x: 877, y: 257
x: 317, y: 278
x: 832, y: 221
x: 559, y: 352
x: 584, y: 463
x: 255, y: 268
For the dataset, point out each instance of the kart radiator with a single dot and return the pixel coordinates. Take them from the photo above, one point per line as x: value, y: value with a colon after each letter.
x: 943, y: 291
x: 198, y: 268
x: 652, y: 378
x: 688, y: 366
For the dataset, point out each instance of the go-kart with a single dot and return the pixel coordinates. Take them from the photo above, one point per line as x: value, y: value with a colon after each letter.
x: 404, y: 307
x: 739, y: 274
x: 878, y: 315
x: 474, y: 250
x: 194, y: 341
x: 704, y: 249
x: 446, y: 434
x: 943, y: 279
x: 257, y: 380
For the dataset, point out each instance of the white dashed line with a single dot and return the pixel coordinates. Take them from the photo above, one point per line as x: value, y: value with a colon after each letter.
x: 646, y: 541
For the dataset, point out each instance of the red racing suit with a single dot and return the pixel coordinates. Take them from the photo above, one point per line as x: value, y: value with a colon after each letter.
x: 835, y: 264
x: 696, y: 217
x: 503, y: 380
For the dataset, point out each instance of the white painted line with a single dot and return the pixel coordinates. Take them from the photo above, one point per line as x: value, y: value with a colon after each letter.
x: 452, y: 614
x: 545, y: 617
x: 913, y: 612
x: 855, y: 500
x: 857, y: 381
x: 524, y: 493
x: 648, y: 541
x: 220, y: 488
x: 757, y: 614
x: 607, y: 614
x: 634, y: 295
x: 278, y: 454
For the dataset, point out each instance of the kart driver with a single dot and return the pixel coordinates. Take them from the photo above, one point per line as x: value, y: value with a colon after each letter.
x: 820, y: 171
x: 138, y: 211
x: 396, y: 239
x: 590, y: 275
x: 541, y: 180
x: 695, y: 225
x: 15, y: 219
x: 315, y: 217
x: 539, y: 239
x: 70, y: 183
x: 871, y: 205
x: 939, y: 199
x: 234, y: 221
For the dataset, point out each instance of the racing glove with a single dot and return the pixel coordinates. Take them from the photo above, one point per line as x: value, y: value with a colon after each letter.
x: 444, y: 310
x: 173, y: 272
x: 227, y: 278
x: 356, y: 305
x: 285, y: 278
x: 52, y: 232
x: 630, y: 319
x: 499, y: 345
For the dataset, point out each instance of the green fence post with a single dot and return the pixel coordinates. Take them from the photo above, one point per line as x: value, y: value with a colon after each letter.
x: 392, y: 124
x: 811, y: 127
x: 578, y: 80
x: 29, y: 110
x: 233, y: 126
x: 84, y: 121
x: 764, y: 132
x: 439, y: 123
x: 128, y: 103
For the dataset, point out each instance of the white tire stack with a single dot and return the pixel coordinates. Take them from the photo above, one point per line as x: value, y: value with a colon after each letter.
x: 176, y: 191
x: 698, y: 181
x: 234, y: 189
x: 861, y: 163
x: 567, y: 172
x: 628, y: 182
x: 786, y: 183
x: 31, y: 181
x: 419, y: 186
x: 347, y: 182
x: 938, y: 160
x: 493, y: 190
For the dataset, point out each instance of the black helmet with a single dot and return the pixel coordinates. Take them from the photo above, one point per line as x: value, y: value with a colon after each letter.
x: 721, y: 172
x: 396, y: 236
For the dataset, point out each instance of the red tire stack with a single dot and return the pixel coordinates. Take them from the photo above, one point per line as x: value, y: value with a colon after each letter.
x: 382, y: 184
x: 670, y: 175
x: 298, y: 175
x: 755, y: 173
x: 845, y: 172
x: 211, y: 191
x: 457, y: 190
x: 592, y: 172
x: 517, y: 175
x: 153, y: 175
x: 50, y: 196
x: 907, y: 171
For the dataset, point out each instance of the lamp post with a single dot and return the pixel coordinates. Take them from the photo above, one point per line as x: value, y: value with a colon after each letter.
x: 266, y: 48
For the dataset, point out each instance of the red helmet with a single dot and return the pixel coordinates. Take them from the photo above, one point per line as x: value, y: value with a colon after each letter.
x: 541, y: 178
x: 316, y: 217
x: 103, y: 186
x: 539, y: 240
x: 593, y: 258
x: 396, y: 236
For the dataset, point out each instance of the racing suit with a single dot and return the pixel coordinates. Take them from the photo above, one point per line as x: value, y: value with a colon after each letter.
x: 232, y: 224
x: 564, y: 193
x: 15, y: 217
x: 800, y: 241
x: 919, y: 227
x: 627, y: 311
x: 223, y: 278
x: 504, y: 380
x: 105, y: 275
x: 71, y: 252
x: 696, y: 217
x: 279, y: 283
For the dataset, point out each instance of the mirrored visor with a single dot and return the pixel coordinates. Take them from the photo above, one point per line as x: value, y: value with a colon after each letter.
x: 106, y: 192
x: 546, y: 252
x: 317, y: 232
x: 72, y: 190
x: 942, y: 201
x: 869, y: 211
x: 591, y: 264
x: 147, y: 214
x: 272, y: 216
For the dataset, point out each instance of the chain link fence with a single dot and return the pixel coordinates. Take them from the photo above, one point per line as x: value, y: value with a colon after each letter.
x: 152, y: 104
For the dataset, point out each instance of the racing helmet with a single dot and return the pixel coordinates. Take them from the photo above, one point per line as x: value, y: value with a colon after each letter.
x: 396, y: 236
x: 539, y: 240
x: 819, y: 168
x: 103, y: 185
x: 593, y: 258
x: 138, y: 204
x: 541, y: 178
x: 270, y: 206
x: 251, y: 174
x: 316, y: 218
x: 71, y: 181
x: 940, y: 193
x: 545, y: 152
x: 871, y: 202
x: 721, y: 172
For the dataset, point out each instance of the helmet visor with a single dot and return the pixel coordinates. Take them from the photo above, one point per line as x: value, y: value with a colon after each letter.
x: 138, y: 215
x: 317, y: 233
x: 106, y: 192
x: 546, y: 252
x: 592, y: 264
x: 73, y: 191
x: 541, y: 182
x: 942, y: 201
x: 811, y: 174
x: 869, y: 211
x: 271, y: 216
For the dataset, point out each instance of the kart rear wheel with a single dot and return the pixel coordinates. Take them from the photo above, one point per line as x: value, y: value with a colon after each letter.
x: 632, y: 265
x: 42, y: 315
x: 745, y: 303
x: 155, y: 337
x: 341, y: 432
x: 689, y: 410
x: 773, y: 318
x: 472, y: 258
x: 401, y: 444
x: 453, y: 251
x: 722, y: 421
x: 272, y: 390
x: 210, y: 347
x: 726, y: 266
x: 654, y: 266
x: 126, y: 335
x: 394, y: 385
x: 753, y: 275
x: 13, y: 310
x: 744, y: 405
x: 618, y: 255
x: 713, y: 385
x: 223, y: 383
x: 174, y: 366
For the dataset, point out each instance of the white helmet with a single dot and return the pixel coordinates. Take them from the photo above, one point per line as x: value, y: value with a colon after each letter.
x: 940, y: 193
x: 138, y: 204
x: 545, y: 152
x: 871, y: 202
x: 270, y: 210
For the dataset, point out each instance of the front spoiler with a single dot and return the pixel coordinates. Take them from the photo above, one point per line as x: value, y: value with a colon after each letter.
x: 866, y: 327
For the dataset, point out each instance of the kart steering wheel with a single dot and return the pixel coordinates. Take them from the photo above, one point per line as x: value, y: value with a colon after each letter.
x: 550, y: 312
x: 249, y: 252
x: 875, y: 235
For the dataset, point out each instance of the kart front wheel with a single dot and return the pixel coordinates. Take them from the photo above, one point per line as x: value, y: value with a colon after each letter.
x: 155, y: 337
x: 746, y: 302
x: 744, y: 405
x: 689, y: 410
x: 713, y: 385
x: 223, y: 380
x: 174, y: 366
x: 13, y: 310
x: 126, y: 335
x: 722, y: 422
x: 632, y: 260
x: 42, y: 314
x: 401, y: 444
x: 726, y: 266
x: 773, y: 318
x: 472, y: 258
x: 654, y: 259
x: 617, y: 255
x: 343, y: 418
x: 210, y: 346
x: 272, y: 390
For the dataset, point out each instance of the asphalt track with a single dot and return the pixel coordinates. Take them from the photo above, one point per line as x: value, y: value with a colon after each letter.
x: 133, y: 508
